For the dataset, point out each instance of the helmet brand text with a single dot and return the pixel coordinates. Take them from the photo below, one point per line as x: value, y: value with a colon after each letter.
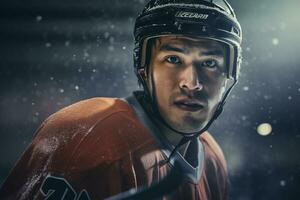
x: 183, y: 14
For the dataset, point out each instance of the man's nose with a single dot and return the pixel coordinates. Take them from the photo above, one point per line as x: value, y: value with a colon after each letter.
x: 190, y: 79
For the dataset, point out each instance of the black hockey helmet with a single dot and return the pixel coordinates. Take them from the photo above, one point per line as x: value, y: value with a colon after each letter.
x: 212, y: 19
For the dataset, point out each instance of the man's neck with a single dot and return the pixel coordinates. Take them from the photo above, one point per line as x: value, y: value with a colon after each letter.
x: 173, y: 137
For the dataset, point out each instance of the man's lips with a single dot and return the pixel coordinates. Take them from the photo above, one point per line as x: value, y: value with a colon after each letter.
x: 192, y: 105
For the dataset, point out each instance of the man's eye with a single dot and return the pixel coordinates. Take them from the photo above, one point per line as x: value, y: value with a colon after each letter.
x: 210, y: 64
x: 173, y: 60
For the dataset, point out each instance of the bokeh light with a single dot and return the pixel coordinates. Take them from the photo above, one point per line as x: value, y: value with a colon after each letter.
x: 264, y: 129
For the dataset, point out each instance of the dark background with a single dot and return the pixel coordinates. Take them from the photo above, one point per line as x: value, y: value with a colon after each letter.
x: 54, y: 53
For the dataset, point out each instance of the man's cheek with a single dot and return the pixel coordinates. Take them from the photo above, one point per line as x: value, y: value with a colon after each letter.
x: 215, y: 89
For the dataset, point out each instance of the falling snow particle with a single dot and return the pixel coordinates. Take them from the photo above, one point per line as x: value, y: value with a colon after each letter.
x: 38, y: 18
x: 106, y: 35
x: 289, y: 98
x: 48, y: 44
x: 86, y: 54
x: 51, y: 78
x: 246, y: 88
x: 67, y: 43
x: 76, y: 87
x: 275, y: 41
x: 61, y: 90
x: 124, y: 48
x: 267, y: 97
x: 34, y: 119
x: 282, y: 183
x: 74, y: 57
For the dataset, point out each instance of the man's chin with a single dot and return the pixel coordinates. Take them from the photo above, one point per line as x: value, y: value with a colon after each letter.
x: 187, y: 123
x: 190, y: 127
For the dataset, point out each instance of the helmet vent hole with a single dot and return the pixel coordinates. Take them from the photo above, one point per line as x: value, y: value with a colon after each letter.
x: 235, y: 30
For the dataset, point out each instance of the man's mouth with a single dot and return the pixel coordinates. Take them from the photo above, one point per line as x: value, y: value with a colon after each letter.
x: 191, y: 105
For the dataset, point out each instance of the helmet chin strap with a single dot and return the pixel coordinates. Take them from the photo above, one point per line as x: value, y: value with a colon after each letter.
x: 155, y: 114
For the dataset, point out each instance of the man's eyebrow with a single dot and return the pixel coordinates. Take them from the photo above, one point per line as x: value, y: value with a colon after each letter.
x: 168, y: 47
x: 216, y: 52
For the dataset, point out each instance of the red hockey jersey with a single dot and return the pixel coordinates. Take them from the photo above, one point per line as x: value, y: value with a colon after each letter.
x: 99, y: 148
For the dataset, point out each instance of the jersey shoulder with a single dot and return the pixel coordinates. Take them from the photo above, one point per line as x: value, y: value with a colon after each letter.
x: 79, y: 117
x: 82, y: 142
x: 88, y: 111
x: 89, y: 133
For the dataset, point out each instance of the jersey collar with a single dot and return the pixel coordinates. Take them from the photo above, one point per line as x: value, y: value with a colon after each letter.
x: 195, y: 152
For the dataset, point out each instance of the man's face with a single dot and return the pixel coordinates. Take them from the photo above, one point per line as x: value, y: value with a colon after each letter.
x: 188, y: 77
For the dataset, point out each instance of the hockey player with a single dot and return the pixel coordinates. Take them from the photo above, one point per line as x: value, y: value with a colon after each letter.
x: 186, y: 57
